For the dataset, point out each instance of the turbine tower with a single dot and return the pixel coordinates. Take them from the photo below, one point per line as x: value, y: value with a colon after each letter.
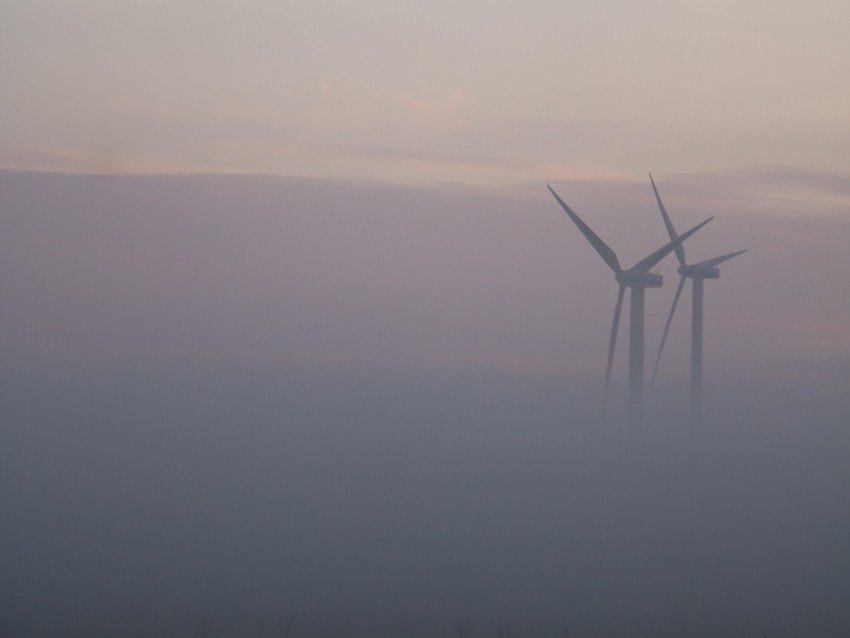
x: 696, y: 273
x: 637, y: 278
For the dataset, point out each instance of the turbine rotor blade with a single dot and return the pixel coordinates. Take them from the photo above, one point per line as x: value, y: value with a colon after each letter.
x: 716, y: 261
x: 648, y: 262
x: 615, y: 324
x: 601, y: 247
x: 667, y: 326
x: 680, y: 250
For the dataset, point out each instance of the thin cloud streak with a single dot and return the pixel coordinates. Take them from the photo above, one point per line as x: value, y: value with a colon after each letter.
x: 370, y: 164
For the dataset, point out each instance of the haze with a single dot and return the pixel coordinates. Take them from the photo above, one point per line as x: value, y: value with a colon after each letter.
x: 292, y: 333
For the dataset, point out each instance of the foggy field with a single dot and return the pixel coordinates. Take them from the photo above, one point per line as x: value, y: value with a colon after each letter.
x: 375, y: 411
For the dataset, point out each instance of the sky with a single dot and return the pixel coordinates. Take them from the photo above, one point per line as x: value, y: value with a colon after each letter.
x: 291, y: 329
x: 419, y: 91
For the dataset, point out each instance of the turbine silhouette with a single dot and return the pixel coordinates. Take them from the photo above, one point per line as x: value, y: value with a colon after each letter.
x: 637, y: 278
x: 696, y: 273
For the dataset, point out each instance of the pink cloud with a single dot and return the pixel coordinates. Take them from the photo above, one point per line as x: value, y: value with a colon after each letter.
x: 448, y: 110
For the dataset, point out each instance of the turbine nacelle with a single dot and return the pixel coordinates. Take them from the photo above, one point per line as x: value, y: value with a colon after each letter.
x: 639, y: 279
x: 699, y: 271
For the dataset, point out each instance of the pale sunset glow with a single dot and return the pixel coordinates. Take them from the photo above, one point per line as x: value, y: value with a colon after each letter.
x: 303, y: 88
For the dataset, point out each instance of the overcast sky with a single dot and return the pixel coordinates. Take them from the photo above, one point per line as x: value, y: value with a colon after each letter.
x: 424, y: 90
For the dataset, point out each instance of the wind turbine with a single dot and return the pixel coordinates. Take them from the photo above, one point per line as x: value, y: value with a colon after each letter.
x: 696, y: 273
x: 637, y: 278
